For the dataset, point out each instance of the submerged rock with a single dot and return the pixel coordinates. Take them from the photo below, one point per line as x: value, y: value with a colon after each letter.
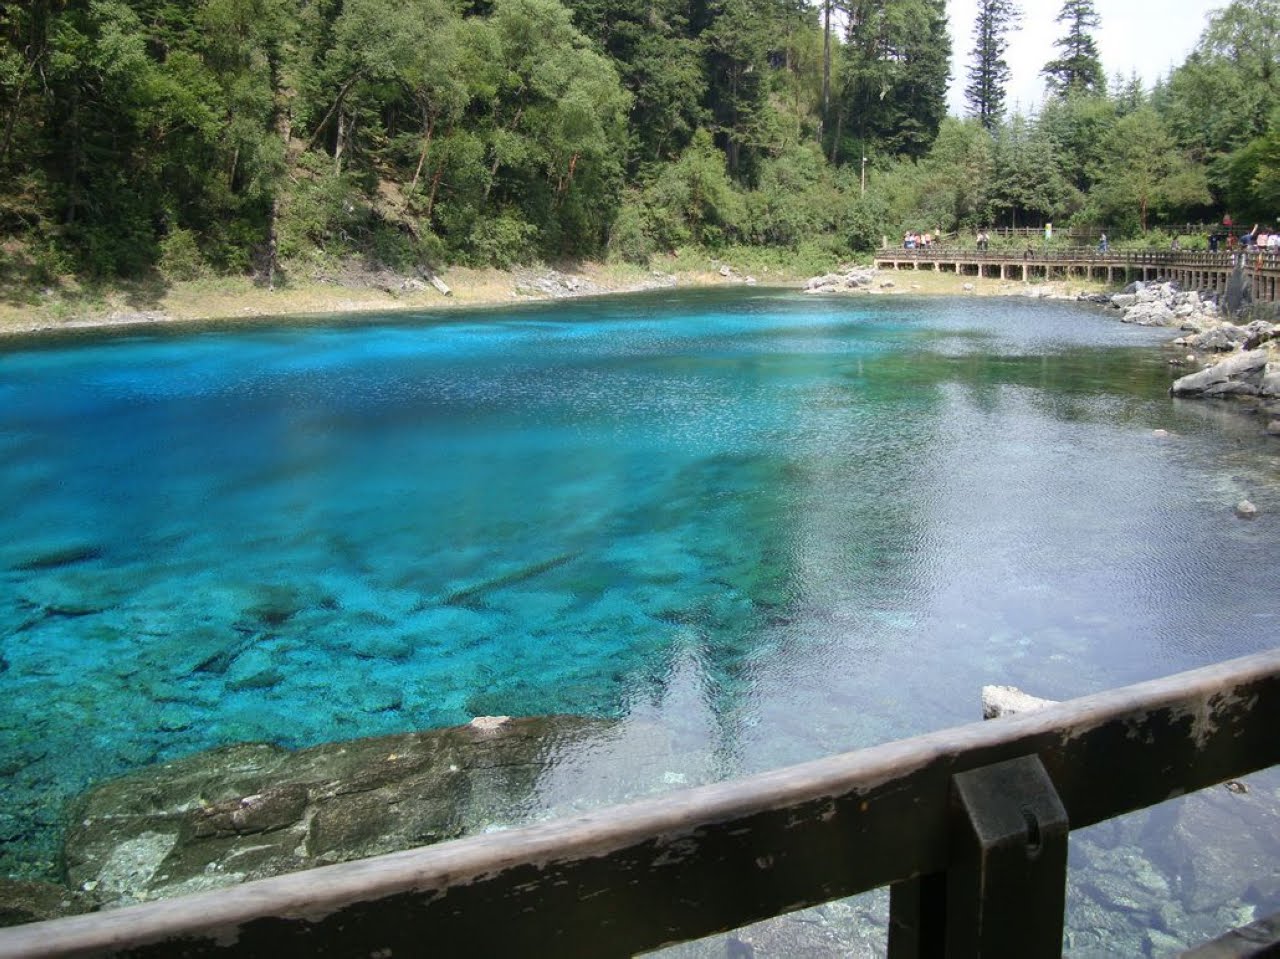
x: 23, y: 901
x: 255, y: 810
x: 54, y: 554
x: 1216, y: 845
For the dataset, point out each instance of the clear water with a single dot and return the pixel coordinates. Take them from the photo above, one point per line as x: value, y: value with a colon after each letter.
x: 776, y: 526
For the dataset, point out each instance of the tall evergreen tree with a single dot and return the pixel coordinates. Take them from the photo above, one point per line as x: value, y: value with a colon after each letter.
x: 893, y: 97
x: 739, y: 40
x: 989, y: 72
x: 661, y: 62
x: 1078, y: 70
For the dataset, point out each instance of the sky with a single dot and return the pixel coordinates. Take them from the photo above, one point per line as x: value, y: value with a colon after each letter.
x: 1146, y: 36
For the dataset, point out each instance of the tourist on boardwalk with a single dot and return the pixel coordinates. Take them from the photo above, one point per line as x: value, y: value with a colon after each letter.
x: 983, y: 240
x: 1103, y: 245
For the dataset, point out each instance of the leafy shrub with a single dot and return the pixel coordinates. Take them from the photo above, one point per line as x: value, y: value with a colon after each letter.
x: 180, y: 257
x: 326, y: 210
x: 693, y: 200
x: 865, y: 223
x: 629, y: 241
x: 502, y: 241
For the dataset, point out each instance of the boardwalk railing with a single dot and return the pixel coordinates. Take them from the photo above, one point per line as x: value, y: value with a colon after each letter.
x: 1093, y: 231
x: 969, y: 826
x: 1259, y: 272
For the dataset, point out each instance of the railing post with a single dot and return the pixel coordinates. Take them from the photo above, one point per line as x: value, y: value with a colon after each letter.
x: 1004, y: 893
x: 918, y: 918
x: 1007, y: 886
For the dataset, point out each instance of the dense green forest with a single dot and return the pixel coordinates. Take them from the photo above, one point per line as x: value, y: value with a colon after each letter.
x: 250, y: 136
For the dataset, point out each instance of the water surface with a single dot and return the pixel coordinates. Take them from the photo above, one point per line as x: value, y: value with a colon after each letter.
x: 775, y: 526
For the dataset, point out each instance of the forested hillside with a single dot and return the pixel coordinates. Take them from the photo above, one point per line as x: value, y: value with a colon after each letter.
x: 196, y: 136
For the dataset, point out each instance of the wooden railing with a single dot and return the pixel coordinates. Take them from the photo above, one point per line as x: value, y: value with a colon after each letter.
x: 969, y: 826
x: 1093, y: 231
x: 1222, y: 260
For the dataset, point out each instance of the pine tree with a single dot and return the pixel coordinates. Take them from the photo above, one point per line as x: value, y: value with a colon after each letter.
x: 893, y: 96
x: 989, y: 73
x: 1079, y: 69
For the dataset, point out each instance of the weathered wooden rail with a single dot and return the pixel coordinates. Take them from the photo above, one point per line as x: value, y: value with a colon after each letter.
x: 969, y: 827
x: 1191, y: 270
x: 1093, y: 231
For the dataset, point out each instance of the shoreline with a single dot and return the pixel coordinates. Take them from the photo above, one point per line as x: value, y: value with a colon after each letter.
x: 349, y: 290
x: 240, y: 300
x: 236, y: 300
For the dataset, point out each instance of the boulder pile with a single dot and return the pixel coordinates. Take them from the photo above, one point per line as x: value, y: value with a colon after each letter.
x: 554, y: 284
x: 855, y: 278
x: 1163, y: 304
x: 1238, y: 360
x: 1244, y: 361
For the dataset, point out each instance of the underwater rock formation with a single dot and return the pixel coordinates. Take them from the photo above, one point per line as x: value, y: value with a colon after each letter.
x: 254, y: 810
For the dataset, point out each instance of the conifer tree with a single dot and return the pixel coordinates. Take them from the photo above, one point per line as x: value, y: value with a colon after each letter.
x: 1078, y: 70
x: 895, y: 77
x: 989, y: 72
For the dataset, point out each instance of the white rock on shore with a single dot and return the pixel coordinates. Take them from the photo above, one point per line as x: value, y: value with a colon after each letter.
x: 857, y: 278
x: 1164, y: 305
x: 1251, y: 366
x: 1240, y: 374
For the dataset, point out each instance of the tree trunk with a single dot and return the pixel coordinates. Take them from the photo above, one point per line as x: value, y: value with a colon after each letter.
x: 12, y: 120
x: 282, y: 122
x: 422, y: 157
x: 341, y: 141
x: 493, y: 169
x: 826, y: 69
x: 74, y: 161
x: 435, y: 185
x: 562, y: 186
x: 337, y: 105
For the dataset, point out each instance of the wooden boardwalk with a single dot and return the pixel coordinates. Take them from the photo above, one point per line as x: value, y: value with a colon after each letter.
x: 1258, y: 272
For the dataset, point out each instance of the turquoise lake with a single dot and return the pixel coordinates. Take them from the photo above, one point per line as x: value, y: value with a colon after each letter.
x: 772, y: 526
